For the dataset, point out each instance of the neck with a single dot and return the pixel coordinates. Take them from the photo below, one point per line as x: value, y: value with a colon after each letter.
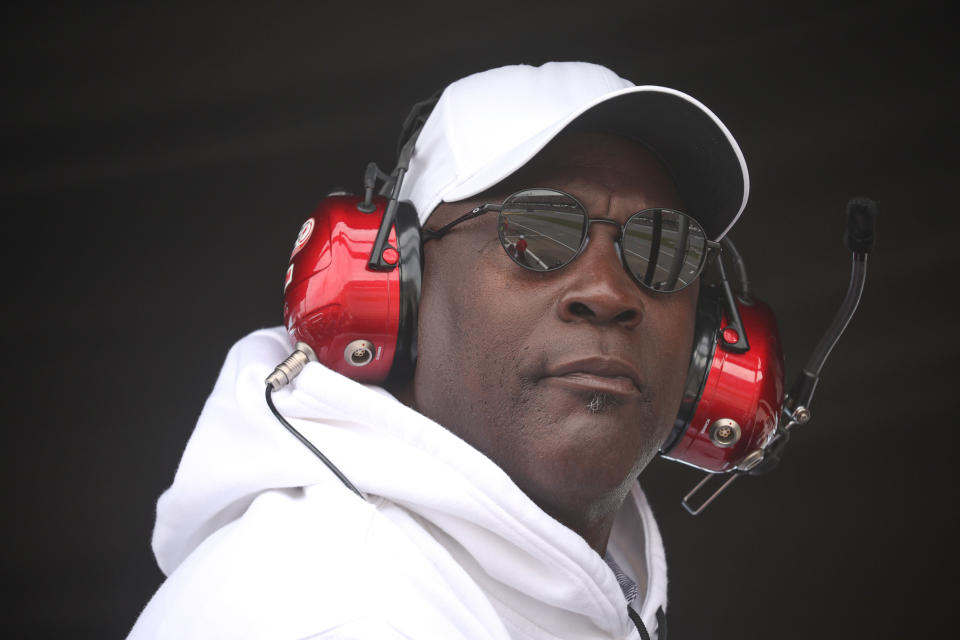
x: 594, y: 521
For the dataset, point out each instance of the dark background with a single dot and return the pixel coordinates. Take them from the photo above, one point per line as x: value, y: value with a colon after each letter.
x: 160, y: 157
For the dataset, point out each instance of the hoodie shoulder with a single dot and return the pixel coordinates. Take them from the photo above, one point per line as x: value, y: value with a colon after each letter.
x: 312, y: 562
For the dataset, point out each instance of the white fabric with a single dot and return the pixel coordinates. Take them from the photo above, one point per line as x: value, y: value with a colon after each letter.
x: 260, y: 540
x: 487, y: 125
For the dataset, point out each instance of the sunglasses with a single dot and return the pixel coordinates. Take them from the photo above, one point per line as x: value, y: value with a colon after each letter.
x: 544, y: 230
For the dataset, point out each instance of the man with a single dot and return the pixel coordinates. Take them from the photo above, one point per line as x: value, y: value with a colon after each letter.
x: 501, y: 479
x: 521, y: 247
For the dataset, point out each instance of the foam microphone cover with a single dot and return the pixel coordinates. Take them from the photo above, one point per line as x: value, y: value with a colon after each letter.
x: 861, y: 224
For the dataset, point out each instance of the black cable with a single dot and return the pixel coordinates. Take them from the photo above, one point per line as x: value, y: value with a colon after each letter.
x: 661, y: 624
x: 638, y: 623
x: 642, y: 629
x: 309, y: 445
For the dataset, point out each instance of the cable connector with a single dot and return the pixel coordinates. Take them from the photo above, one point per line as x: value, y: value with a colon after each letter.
x: 290, y: 368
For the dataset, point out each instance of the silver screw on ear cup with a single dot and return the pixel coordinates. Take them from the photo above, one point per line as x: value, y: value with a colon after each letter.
x: 725, y: 432
x: 358, y: 353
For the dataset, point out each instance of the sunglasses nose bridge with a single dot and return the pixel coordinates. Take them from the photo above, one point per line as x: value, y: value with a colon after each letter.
x: 613, y: 223
x: 591, y: 221
x: 616, y: 240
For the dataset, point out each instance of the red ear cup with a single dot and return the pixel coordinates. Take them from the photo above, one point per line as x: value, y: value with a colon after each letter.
x: 360, y: 322
x: 733, y: 400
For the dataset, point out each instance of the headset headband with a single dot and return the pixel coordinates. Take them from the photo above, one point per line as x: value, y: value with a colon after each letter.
x: 412, y: 126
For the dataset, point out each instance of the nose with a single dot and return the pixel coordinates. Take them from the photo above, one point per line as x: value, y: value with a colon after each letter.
x: 597, y: 288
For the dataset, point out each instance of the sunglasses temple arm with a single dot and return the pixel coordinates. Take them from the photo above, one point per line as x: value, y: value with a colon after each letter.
x: 429, y: 234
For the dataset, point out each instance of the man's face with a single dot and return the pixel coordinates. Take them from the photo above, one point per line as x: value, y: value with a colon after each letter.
x: 568, y: 380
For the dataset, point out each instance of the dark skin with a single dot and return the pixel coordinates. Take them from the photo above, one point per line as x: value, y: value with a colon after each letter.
x: 568, y: 380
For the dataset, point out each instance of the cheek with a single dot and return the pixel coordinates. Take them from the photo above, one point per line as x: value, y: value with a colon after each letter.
x: 468, y: 329
x: 672, y: 323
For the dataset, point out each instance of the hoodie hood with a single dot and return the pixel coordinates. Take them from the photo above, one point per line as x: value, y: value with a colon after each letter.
x: 389, y: 451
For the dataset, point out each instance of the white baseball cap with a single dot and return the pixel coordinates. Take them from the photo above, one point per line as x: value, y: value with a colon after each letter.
x: 486, y: 126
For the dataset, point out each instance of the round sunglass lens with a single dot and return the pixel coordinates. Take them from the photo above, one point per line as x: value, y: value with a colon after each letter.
x: 542, y: 229
x: 664, y: 249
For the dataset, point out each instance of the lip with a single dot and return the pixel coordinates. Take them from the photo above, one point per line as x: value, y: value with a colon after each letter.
x: 597, y: 373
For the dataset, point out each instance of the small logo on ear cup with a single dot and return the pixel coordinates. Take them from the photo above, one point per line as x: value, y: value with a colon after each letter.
x: 304, y: 236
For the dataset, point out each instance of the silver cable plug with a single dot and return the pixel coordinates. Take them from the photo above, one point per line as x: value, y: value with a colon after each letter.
x: 290, y: 368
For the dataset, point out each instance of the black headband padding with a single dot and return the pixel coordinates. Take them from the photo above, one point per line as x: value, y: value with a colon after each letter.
x: 706, y: 330
x: 411, y: 276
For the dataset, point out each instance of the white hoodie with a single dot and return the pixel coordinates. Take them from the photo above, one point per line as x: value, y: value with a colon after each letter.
x: 260, y: 540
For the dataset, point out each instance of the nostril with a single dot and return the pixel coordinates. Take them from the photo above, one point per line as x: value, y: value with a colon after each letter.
x: 581, y: 310
x: 600, y: 313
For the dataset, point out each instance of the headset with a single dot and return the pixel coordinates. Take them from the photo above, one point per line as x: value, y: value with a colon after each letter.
x: 352, y: 290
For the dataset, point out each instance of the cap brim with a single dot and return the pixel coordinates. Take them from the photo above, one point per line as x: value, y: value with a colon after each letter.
x: 699, y: 152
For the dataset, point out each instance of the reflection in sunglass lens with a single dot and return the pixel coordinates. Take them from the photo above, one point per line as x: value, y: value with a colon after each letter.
x: 664, y: 249
x: 542, y: 229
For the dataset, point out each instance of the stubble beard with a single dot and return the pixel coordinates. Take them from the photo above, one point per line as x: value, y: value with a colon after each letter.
x: 601, y: 402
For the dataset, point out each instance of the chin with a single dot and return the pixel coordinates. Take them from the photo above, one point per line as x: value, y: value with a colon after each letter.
x: 590, y: 455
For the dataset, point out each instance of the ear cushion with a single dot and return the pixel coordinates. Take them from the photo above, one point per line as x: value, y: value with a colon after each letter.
x: 407, y: 224
x: 706, y: 332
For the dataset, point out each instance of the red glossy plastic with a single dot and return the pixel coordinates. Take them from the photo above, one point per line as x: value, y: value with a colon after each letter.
x: 745, y: 387
x: 332, y: 298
